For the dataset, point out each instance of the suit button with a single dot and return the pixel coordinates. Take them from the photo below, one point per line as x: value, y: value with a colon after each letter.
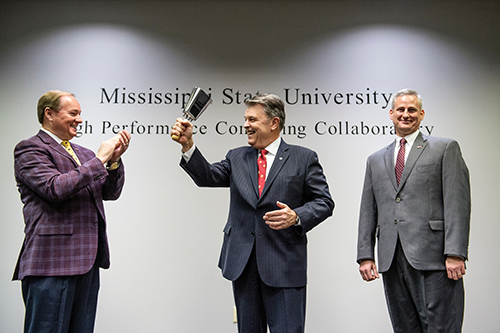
x: 95, y: 223
x: 398, y: 200
x: 253, y: 234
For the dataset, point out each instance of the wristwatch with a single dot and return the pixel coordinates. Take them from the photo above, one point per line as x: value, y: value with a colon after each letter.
x: 112, y: 166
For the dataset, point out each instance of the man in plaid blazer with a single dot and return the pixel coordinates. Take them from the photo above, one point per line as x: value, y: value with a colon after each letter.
x: 65, y: 226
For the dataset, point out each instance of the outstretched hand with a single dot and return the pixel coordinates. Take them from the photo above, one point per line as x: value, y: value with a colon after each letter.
x: 182, y: 132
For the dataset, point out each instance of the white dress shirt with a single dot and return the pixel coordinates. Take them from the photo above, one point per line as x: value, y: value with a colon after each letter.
x: 410, y: 139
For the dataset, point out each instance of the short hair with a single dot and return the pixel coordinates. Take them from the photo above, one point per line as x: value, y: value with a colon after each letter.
x: 51, y: 99
x: 273, y: 106
x: 403, y: 92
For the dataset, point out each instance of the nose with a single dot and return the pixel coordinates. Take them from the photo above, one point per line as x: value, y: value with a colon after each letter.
x: 79, y: 119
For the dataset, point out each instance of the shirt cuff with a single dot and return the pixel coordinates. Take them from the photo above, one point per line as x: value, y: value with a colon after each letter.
x: 187, y: 155
x: 297, y: 221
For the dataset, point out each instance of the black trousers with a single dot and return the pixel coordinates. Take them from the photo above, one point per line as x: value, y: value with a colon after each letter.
x: 61, y: 304
x: 259, y: 305
x: 422, y: 301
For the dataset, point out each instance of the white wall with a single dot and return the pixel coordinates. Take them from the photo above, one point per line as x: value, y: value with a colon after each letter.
x: 165, y: 233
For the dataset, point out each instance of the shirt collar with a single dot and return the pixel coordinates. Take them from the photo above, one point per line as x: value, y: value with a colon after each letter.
x: 272, y: 148
x: 410, y: 139
x: 52, y: 135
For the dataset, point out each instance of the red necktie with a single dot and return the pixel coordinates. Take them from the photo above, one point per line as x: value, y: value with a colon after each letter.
x: 262, y: 164
x: 400, y: 160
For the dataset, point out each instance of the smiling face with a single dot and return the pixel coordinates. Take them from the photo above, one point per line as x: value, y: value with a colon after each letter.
x: 64, y: 122
x: 406, y: 115
x: 261, y: 130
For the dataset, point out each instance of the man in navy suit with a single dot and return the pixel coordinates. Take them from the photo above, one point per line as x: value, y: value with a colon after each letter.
x: 62, y: 190
x: 264, y: 252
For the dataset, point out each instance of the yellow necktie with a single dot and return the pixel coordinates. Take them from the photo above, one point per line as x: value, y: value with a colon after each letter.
x: 66, y: 145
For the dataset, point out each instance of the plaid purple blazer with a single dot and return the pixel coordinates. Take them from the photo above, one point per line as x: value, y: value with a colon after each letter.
x: 63, y: 203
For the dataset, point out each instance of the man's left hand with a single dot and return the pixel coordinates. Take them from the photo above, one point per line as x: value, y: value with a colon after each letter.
x: 121, y: 145
x: 455, y: 267
x: 282, y: 218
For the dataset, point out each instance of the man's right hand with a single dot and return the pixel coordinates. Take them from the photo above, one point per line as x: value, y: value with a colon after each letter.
x: 182, y: 132
x: 368, y: 270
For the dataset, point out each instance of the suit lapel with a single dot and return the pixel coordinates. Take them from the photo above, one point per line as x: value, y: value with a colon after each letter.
x: 251, y: 162
x: 56, y: 146
x: 389, y: 164
x: 279, y: 160
x: 416, y: 150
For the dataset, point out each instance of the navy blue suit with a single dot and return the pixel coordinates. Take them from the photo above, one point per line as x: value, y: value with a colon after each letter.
x: 296, y: 178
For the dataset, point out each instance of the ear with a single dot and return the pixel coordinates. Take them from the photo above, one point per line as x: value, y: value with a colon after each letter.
x: 390, y: 113
x: 275, y: 123
x: 48, y: 113
x: 422, y: 114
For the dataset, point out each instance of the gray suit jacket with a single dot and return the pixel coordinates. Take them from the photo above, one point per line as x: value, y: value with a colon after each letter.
x: 296, y: 178
x: 429, y: 211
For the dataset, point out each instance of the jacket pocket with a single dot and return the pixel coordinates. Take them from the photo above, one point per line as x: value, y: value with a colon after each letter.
x: 54, y: 229
x: 436, y: 224
x: 294, y: 238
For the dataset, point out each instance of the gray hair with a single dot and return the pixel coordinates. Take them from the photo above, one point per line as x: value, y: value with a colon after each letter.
x: 273, y: 106
x: 403, y: 92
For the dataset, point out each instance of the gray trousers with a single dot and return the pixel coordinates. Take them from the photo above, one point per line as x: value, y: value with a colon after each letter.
x: 422, y: 301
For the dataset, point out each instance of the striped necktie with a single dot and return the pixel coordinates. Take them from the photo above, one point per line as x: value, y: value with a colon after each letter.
x: 400, y: 160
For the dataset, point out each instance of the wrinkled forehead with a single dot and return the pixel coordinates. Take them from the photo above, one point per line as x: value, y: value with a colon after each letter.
x: 411, y: 100
x: 256, y: 111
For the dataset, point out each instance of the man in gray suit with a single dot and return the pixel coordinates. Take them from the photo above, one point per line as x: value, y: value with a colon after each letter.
x: 264, y: 252
x: 416, y: 205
